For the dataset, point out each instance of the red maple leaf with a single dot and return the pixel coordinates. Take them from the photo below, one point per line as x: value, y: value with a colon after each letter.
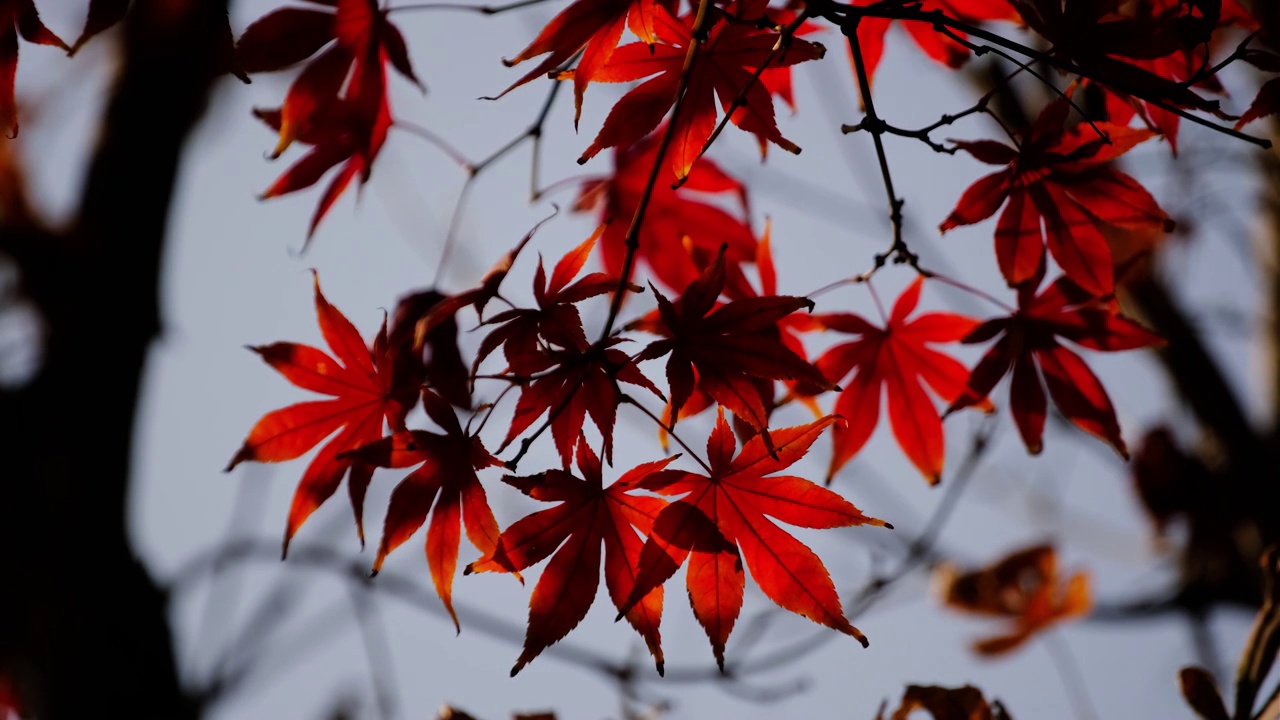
x: 895, y: 361
x: 594, y: 27
x: 789, y: 329
x: 556, y: 319
x: 569, y: 385
x: 721, y: 521
x: 1029, y: 349
x: 1061, y: 192
x: 937, y: 45
x: 365, y: 390
x: 589, y: 516
x: 674, y: 217
x: 725, y: 350
x: 18, y: 17
x: 723, y: 68
x: 1184, y: 66
x: 290, y: 35
x: 1124, y: 45
x: 338, y: 103
x: 446, y: 478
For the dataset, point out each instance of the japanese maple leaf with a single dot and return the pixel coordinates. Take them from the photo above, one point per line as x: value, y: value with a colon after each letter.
x: 1110, y: 41
x: 724, y: 518
x: 365, y: 390
x: 723, y: 68
x: 674, y: 217
x: 1025, y: 586
x: 1267, y: 101
x: 339, y: 102
x: 895, y: 361
x: 17, y: 17
x: 588, y: 517
x: 1030, y: 350
x: 569, y: 385
x: 290, y: 35
x: 729, y: 347
x: 341, y: 131
x: 938, y: 46
x: 446, y: 478
x: 556, y: 319
x: 789, y: 330
x: 594, y: 27
x: 1185, y: 66
x: 1061, y: 193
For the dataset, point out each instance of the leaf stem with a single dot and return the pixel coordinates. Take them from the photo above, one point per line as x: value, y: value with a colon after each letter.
x: 624, y: 398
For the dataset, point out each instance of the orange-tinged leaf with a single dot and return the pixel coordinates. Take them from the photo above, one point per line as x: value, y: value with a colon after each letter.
x: 1025, y: 587
x: 366, y: 394
x: 726, y: 515
x: 895, y: 361
x: 675, y: 217
x: 723, y: 70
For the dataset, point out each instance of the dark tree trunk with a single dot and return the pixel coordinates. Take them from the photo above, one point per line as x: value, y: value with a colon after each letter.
x: 84, y: 630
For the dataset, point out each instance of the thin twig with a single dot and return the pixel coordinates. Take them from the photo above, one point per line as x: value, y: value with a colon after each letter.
x: 632, y: 239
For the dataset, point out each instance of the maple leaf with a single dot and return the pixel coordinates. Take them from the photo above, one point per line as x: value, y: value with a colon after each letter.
x: 1025, y: 586
x: 341, y: 131
x: 365, y: 391
x: 1111, y: 42
x: 17, y: 17
x: 290, y: 35
x: 1059, y: 191
x: 675, y: 216
x: 1029, y: 349
x: 589, y: 516
x: 723, y: 519
x: 556, y: 319
x: 594, y: 27
x: 897, y: 359
x: 446, y: 478
x: 569, y: 385
x: 943, y: 703
x: 338, y: 104
x: 724, y: 350
x: 723, y: 68
x: 938, y: 46
x: 1185, y: 66
x: 789, y: 330
x: 1265, y: 104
